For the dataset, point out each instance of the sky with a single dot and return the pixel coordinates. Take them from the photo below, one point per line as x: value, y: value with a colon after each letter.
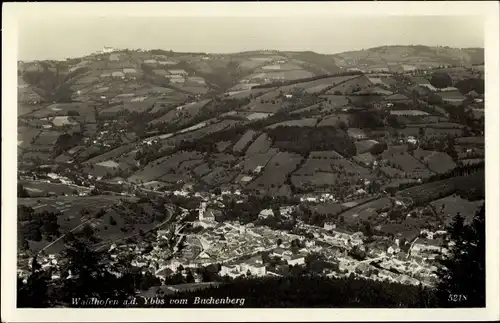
x: 46, y: 37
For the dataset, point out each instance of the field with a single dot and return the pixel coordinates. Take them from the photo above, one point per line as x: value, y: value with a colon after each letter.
x: 202, y: 170
x: 219, y: 176
x: 329, y: 81
x: 26, y: 109
x: 61, y: 109
x: 276, y: 171
x: 141, y: 106
x: 75, y: 212
x: 36, y: 188
x: 264, y: 102
x: 364, y: 146
x: 478, y: 141
x: 260, y: 145
x: 161, y: 166
x: 186, y: 112
x: 25, y: 135
x: 258, y: 115
x: 437, y: 162
x: 365, y: 158
x: 410, y: 165
x: 309, y: 122
x: 61, y: 121
x: 258, y: 159
x: 432, y: 132
x: 111, y: 155
x: 198, y: 133
x: 392, y: 172
x: 349, y: 85
x: 47, y: 138
x: 449, y: 206
x: 319, y: 161
x: 334, y: 120
x: 366, y: 210
x: 429, y: 192
x: 318, y: 179
x: 438, y: 125
x: 242, y: 143
x: 329, y: 209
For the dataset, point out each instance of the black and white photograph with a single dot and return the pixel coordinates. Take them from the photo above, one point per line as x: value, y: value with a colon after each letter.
x: 259, y: 159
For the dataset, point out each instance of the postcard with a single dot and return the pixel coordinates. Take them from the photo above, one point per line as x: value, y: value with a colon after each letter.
x: 331, y: 161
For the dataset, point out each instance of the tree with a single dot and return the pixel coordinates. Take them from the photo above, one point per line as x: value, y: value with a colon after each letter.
x: 90, y: 276
x: 33, y: 293
x: 87, y: 231
x: 189, y: 277
x: 21, y: 191
x: 441, y: 80
x: 112, y: 220
x: 462, y: 280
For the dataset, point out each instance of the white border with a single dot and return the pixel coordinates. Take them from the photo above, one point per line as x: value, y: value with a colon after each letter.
x: 13, y: 11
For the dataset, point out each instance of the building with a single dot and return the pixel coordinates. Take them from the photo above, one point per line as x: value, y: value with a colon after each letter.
x: 129, y: 71
x: 296, y: 260
x: 196, y: 79
x: 178, y: 72
x: 452, y: 97
x: 356, y: 133
x: 118, y: 74
x: 175, y: 78
x: 408, y: 113
x: 398, y: 98
x: 107, y: 49
x: 411, y: 140
x: 329, y: 226
x: 266, y: 213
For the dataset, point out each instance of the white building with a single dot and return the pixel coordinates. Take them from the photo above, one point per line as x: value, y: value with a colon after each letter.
x: 108, y: 49
x: 266, y: 213
x: 296, y: 260
x: 329, y: 226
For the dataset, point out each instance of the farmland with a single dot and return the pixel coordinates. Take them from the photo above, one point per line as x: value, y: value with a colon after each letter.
x: 437, y: 162
x: 260, y: 145
x: 276, y: 171
x: 244, y: 141
x: 366, y: 210
x: 449, y: 206
x: 309, y: 122
x: 430, y: 191
x: 164, y: 165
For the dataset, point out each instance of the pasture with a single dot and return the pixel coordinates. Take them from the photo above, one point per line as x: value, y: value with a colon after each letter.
x: 276, y: 171
x: 259, y: 146
x: 254, y: 160
x: 244, y: 140
x: 365, y: 210
x: 449, y: 206
x: 164, y: 165
x: 307, y: 122
x: 438, y: 162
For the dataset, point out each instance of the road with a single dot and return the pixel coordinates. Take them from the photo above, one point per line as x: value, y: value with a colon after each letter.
x: 61, y: 237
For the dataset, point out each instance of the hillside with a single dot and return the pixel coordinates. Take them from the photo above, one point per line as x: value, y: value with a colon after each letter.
x: 408, y: 58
